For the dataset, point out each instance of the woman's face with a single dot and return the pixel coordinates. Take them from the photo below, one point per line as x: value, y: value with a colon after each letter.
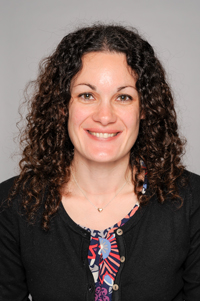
x: 104, y: 111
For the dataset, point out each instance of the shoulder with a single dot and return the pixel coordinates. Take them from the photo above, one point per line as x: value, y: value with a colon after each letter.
x: 8, y: 211
x: 190, y: 192
x: 5, y: 188
x: 14, y: 201
x: 7, y: 184
x: 192, y: 185
x: 194, y: 179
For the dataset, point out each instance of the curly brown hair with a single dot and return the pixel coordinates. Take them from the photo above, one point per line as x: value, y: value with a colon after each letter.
x: 48, y: 151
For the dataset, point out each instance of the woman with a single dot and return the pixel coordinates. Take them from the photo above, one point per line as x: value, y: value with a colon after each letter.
x: 102, y: 208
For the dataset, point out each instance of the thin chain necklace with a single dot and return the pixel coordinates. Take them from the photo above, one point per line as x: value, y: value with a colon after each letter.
x: 98, y: 209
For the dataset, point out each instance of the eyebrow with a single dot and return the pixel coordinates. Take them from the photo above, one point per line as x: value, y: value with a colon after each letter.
x: 94, y: 88
x: 121, y: 88
x: 84, y: 84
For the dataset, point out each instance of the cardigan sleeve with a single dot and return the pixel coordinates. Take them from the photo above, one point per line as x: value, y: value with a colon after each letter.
x: 12, y: 274
x: 191, y: 274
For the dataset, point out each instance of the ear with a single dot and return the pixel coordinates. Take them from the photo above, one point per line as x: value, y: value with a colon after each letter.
x: 64, y: 112
x: 142, y: 115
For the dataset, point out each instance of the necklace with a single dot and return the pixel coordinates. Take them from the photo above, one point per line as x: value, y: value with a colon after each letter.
x: 98, y: 209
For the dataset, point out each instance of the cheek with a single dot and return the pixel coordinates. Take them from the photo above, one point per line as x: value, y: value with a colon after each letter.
x: 72, y: 123
x: 76, y: 117
x: 132, y: 120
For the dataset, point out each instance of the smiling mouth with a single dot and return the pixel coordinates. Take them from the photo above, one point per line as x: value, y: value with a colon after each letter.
x: 103, y: 135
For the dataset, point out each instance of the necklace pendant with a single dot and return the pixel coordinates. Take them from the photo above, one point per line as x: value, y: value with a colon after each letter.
x: 100, y: 209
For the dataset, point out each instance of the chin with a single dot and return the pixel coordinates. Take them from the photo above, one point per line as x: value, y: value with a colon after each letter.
x: 104, y: 158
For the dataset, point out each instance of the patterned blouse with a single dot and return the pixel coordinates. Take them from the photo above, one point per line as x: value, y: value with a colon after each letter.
x: 104, y: 257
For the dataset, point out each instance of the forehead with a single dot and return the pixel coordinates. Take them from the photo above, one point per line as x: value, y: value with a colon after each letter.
x: 105, y: 68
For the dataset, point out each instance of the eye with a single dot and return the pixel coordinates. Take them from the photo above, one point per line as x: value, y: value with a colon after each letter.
x: 86, y: 96
x: 124, y: 98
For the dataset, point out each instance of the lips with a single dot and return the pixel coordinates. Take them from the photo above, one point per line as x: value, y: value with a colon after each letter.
x: 103, y: 135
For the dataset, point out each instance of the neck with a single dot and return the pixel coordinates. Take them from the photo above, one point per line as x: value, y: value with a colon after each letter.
x: 101, y: 180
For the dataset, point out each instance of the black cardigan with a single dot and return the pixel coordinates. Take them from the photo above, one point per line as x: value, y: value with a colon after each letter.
x: 161, y: 245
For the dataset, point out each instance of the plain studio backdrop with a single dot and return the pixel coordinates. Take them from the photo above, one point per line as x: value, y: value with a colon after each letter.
x: 30, y: 30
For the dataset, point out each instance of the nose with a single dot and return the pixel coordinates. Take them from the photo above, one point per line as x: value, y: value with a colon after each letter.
x: 104, y: 113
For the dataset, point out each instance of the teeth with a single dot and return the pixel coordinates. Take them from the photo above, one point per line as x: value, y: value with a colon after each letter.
x: 103, y: 135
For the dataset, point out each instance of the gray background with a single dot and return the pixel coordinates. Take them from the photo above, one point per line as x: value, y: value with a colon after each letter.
x: 30, y: 30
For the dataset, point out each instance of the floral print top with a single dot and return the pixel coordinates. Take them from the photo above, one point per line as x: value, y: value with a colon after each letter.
x: 104, y: 258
